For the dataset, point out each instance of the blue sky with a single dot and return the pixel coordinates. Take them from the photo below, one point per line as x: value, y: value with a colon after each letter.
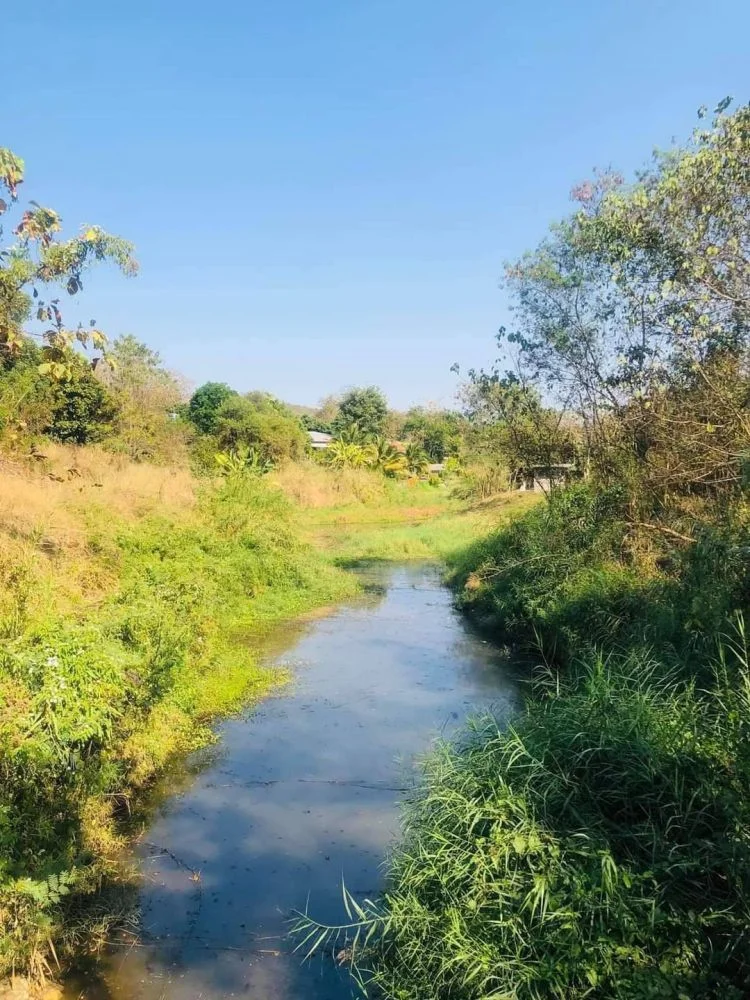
x: 323, y: 192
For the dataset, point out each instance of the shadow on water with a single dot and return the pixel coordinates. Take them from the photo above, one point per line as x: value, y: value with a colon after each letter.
x: 299, y: 793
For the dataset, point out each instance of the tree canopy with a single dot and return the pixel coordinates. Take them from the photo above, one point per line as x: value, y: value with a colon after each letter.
x: 205, y: 404
x: 366, y: 408
x: 36, y: 267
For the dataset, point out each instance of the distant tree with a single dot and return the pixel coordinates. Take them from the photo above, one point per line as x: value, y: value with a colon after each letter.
x: 437, y: 432
x: 148, y: 396
x: 83, y: 411
x: 366, y: 408
x: 260, y: 422
x: 205, y: 404
x: 328, y: 409
x: 36, y: 267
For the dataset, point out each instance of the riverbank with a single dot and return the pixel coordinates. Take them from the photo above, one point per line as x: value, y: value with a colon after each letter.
x: 599, y: 847
x: 129, y: 594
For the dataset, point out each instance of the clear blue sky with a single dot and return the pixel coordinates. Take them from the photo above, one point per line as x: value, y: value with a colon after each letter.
x: 323, y: 192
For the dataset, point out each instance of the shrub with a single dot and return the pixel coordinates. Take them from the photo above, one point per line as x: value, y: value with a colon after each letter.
x: 260, y: 422
x: 83, y: 411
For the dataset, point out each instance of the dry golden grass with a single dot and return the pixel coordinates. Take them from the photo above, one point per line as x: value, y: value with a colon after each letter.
x: 310, y: 484
x: 52, y: 500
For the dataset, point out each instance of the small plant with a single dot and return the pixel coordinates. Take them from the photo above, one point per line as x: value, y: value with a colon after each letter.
x: 243, y: 460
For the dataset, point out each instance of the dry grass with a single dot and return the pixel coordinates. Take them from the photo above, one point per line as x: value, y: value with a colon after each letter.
x: 311, y: 485
x: 51, y: 505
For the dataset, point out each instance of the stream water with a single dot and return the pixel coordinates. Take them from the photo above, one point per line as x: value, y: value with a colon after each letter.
x: 298, y: 794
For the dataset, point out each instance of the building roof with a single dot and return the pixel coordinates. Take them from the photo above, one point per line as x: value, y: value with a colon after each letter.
x: 318, y: 437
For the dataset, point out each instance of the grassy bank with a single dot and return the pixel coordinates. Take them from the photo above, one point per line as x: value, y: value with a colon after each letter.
x: 600, y: 846
x: 357, y: 516
x: 128, y: 595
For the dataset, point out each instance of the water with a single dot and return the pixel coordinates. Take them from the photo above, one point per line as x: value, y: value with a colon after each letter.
x: 300, y: 793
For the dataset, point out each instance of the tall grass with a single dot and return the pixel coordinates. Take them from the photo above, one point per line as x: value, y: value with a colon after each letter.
x: 596, y: 848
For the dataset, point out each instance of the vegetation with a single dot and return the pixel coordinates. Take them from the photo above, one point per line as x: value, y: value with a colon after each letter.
x: 37, y: 265
x: 599, y: 846
x: 128, y: 593
x: 366, y: 409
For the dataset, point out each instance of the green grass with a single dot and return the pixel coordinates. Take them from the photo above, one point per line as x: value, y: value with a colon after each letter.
x: 422, y: 523
x: 95, y: 704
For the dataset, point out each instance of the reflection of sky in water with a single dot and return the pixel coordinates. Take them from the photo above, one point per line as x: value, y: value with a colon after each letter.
x: 303, y: 792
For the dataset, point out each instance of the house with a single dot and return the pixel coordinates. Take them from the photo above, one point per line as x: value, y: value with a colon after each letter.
x: 318, y: 440
x: 542, y: 478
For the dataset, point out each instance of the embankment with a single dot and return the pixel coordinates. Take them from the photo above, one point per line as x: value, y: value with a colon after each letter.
x: 600, y: 847
x: 127, y: 596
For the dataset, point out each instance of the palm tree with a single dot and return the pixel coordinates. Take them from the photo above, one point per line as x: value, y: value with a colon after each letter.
x: 385, y: 457
x: 417, y: 461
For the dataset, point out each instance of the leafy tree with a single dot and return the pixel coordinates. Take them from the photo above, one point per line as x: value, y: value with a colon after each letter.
x: 632, y: 318
x: 260, y: 422
x: 83, y: 411
x: 438, y: 433
x: 364, y: 407
x: 36, y: 267
x: 205, y: 404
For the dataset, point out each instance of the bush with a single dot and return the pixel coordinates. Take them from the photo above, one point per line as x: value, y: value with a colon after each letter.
x: 260, y: 422
x: 83, y: 411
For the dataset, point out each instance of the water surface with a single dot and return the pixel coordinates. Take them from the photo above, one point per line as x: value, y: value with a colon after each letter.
x: 299, y: 793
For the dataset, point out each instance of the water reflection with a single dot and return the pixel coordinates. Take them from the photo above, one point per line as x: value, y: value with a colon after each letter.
x: 302, y: 792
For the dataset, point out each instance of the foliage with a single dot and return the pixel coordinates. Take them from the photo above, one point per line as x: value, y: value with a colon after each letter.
x: 205, y: 404
x: 260, y: 422
x: 38, y: 264
x: 82, y: 410
x: 342, y: 454
x: 148, y: 397
x: 25, y: 394
x: 417, y: 460
x: 633, y: 317
x: 438, y: 433
x: 385, y: 457
x: 242, y: 461
x: 364, y: 407
x: 510, y: 422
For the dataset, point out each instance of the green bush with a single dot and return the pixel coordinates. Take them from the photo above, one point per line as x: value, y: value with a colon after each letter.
x: 83, y: 411
x: 260, y: 422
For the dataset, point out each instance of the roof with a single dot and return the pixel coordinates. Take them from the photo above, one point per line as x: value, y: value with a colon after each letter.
x: 318, y: 437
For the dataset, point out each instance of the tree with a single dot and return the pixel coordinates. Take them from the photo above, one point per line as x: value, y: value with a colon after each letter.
x: 417, y: 461
x: 437, y: 432
x: 148, y: 396
x: 205, y: 404
x: 260, y: 422
x: 83, y: 411
x: 364, y: 407
x: 36, y: 265
x: 633, y: 319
